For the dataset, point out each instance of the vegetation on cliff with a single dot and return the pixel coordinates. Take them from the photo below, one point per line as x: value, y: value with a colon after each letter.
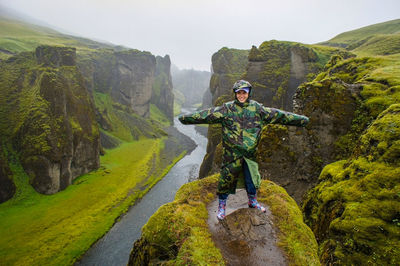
x: 354, y: 209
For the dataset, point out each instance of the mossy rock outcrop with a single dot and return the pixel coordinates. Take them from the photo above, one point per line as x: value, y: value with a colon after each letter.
x: 178, y: 234
x: 48, y: 116
x: 354, y: 210
x: 7, y: 186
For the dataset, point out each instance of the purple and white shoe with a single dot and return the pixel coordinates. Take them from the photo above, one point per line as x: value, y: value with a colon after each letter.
x: 253, y: 203
x: 221, y: 209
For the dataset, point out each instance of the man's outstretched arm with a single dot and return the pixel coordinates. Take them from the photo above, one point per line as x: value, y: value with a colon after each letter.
x: 276, y: 116
x: 208, y: 116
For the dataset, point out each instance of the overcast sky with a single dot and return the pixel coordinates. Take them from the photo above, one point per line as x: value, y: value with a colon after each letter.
x: 190, y: 31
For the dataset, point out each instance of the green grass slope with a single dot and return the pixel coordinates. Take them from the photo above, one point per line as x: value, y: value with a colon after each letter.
x: 17, y: 36
x: 40, y: 229
x: 358, y: 36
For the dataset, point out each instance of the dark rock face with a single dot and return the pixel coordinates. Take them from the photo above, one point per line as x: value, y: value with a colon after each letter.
x: 7, y: 187
x: 55, y: 132
x: 276, y: 69
x: 294, y: 157
x: 162, y: 95
x: 133, y: 80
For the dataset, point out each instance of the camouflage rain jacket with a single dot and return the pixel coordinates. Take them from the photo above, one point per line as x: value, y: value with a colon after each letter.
x: 241, y: 128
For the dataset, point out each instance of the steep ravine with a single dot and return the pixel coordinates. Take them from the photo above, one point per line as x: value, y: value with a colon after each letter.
x: 114, y: 247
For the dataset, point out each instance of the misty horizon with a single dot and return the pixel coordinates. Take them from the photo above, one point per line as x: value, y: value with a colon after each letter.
x: 191, y: 32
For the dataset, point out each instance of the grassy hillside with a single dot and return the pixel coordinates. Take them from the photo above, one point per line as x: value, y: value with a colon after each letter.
x: 358, y: 36
x: 40, y: 229
x: 17, y: 36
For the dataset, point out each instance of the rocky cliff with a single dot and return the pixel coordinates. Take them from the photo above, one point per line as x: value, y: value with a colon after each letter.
x: 124, y: 84
x: 162, y: 95
x: 48, y: 116
x: 276, y: 69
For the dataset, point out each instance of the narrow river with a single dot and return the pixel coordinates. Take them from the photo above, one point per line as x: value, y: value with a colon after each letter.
x: 114, y: 248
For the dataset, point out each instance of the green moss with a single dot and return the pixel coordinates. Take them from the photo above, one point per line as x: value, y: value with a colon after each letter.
x: 18, y: 36
x: 354, y: 209
x: 228, y: 60
x: 295, y: 238
x: 177, y: 234
x: 158, y: 116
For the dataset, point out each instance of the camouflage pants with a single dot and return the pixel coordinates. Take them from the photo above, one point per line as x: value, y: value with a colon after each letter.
x: 230, y: 175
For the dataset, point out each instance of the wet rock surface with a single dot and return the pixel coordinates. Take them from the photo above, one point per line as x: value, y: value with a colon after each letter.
x: 246, y: 236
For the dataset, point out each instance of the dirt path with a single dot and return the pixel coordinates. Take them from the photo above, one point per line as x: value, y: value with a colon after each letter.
x: 246, y: 236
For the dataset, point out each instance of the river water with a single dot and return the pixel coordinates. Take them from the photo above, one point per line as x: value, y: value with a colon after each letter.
x: 115, y: 246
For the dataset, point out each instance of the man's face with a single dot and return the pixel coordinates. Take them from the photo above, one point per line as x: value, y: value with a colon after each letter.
x: 242, y: 96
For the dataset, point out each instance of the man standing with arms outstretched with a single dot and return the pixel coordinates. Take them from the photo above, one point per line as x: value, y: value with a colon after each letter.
x: 242, y: 121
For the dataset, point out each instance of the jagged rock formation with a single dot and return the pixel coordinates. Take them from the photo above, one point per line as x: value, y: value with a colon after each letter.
x: 162, y: 95
x: 54, y: 98
x: 7, y: 186
x: 49, y: 117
